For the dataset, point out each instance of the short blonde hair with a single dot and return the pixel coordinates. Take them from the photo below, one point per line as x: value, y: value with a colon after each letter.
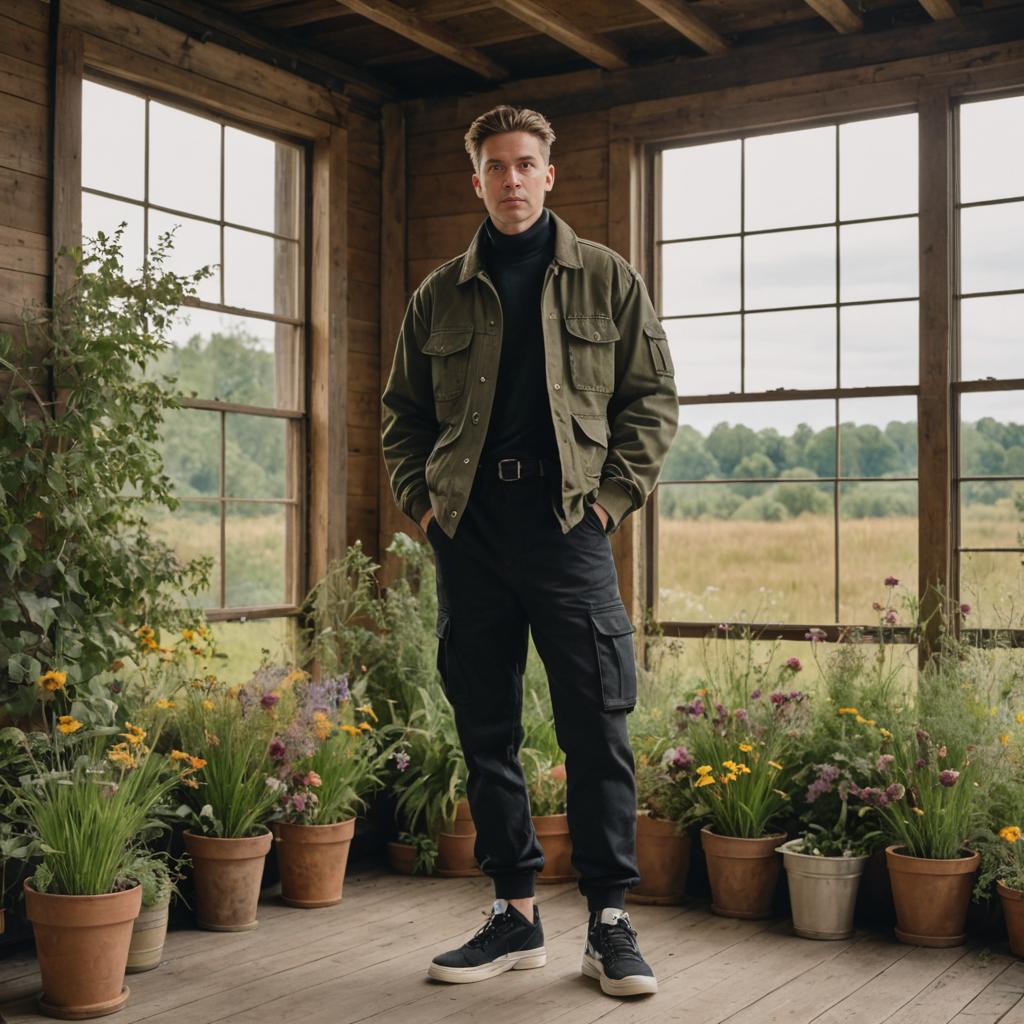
x: 503, y: 119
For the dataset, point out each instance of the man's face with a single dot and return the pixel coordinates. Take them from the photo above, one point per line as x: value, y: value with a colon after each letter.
x: 513, y: 179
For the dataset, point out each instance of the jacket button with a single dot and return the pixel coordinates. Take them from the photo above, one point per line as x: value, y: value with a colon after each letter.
x: 483, y: 380
x: 491, y: 322
x: 558, y: 387
x: 476, y: 417
x: 551, y: 316
x: 597, y: 335
x: 453, y: 513
x: 466, y: 461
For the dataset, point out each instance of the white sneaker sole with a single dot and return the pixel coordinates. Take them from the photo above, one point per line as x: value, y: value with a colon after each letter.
x: 632, y: 985
x: 522, y: 960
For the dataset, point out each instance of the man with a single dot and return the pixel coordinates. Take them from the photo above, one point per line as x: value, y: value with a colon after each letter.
x: 528, y: 410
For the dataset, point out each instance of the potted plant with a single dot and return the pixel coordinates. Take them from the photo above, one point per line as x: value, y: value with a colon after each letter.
x: 157, y: 876
x: 665, y: 807
x: 926, y: 802
x: 551, y: 823
x: 228, y: 838
x: 86, y: 812
x: 1009, y: 875
x: 320, y: 791
x: 17, y: 848
x: 412, y: 854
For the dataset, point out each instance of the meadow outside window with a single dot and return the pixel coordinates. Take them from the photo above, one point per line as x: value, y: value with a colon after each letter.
x: 235, y: 198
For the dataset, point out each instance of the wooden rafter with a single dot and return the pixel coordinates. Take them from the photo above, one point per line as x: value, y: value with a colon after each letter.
x: 939, y: 9
x: 302, y: 14
x: 603, y: 52
x: 687, y: 22
x: 432, y: 37
x: 839, y: 14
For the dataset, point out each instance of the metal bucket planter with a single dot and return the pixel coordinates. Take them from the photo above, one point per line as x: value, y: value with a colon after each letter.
x: 822, y: 891
x: 149, y: 932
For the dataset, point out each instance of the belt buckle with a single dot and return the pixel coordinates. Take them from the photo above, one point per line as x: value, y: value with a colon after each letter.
x: 519, y: 469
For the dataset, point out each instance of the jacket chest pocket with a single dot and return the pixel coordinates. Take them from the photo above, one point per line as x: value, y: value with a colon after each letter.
x: 449, y: 352
x: 591, y: 352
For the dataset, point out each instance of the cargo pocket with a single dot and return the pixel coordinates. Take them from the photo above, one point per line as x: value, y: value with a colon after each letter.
x: 593, y: 442
x: 442, y: 630
x: 613, y: 641
x: 660, y: 353
x: 591, y: 354
x: 449, y: 351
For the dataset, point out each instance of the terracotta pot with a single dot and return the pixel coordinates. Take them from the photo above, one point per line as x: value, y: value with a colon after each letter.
x: 312, y: 861
x: 82, y: 946
x: 227, y: 875
x: 663, y: 857
x: 553, y: 833
x: 931, y: 896
x: 401, y: 857
x: 463, y: 824
x: 149, y: 932
x: 455, y: 855
x: 742, y: 873
x: 1013, y: 911
x: 822, y: 891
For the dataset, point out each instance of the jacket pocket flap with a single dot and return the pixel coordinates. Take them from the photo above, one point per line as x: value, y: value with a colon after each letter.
x: 592, y: 328
x: 444, y: 343
x: 613, y: 621
x: 443, y: 623
x: 653, y: 329
x: 594, y: 427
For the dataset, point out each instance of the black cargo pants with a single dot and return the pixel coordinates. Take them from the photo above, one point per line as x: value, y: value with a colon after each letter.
x: 509, y: 568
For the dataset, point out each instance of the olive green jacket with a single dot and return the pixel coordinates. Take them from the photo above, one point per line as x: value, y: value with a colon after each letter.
x: 610, y: 381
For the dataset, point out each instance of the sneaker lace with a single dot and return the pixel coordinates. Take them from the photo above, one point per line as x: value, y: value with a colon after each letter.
x: 493, y: 926
x: 620, y: 940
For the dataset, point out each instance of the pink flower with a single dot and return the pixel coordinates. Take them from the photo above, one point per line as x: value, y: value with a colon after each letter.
x: 891, y: 581
x: 948, y: 777
x: 890, y: 617
x: 277, y: 749
x: 965, y: 609
x: 299, y: 803
x: 268, y: 700
x: 942, y: 751
x: 794, y: 664
x: 312, y: 779
x: 883, y: 762
x: 815, y: 635
x: 558, y: 772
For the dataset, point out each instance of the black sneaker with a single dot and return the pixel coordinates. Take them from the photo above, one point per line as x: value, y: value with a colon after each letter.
x: 507, y: 941
x: 613, y: 957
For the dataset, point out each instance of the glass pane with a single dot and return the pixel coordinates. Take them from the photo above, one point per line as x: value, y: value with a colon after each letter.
x: 991, y: 149
x: 990, y: 432
x: 992, y: 337
x: 234, y: 358
x: 700, y: 277
x: 245, y: 642
x: 992, y: 584
x: 700, y: 190
x: 706, y: 354
x: 101, y: 214
x: 792, y: 268
x: 791, y: 350
x: 255, y: 456
x: 878, y: 260
x: 191, y: 452
x: 992, y: 514
x: 194, y: 244
x: 192, y: 531
x: 877, y: 540
x: 878, y: 436
x: 184, y: 161
x: 113, y: 141
x: 878, y: 167
x: 752, y: 439
x: 759, y: 552
x: 255, y: 555
x: 790, y: 178
x: 992, y: 247
x: 260, y: 273
x: 261, y: 183
x: 878, y: 344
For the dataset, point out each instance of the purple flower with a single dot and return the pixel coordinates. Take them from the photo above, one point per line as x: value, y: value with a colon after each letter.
x: 793, y: 664
x: 681, y: 758
x: 268, y: 700
x: 890, y: 617
x: 891, y: 581
x: 299, y: 803
x: 882, y: 800
x: 756, y: 694
x: 895, y: 791
x: 401, y: 760
x: 965, y: 609
x: 827, y: 774
x: 921, y: 762
x: 883, y: 762
x: 921, y: 736
x: 948, y: 777
x: 797, y: 695
x: 277, y: 749
x: 778, y: 698
x: 815, y: 635
x: 695, y: 708
x: 741, y: 714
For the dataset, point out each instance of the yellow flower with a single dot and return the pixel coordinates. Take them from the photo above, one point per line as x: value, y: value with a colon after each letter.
x: 350, y: 729
x: 704, y: 769
x: 66, y: 724
x: 1020, y: 717
x: 746, y: 748
x: 293, y: 677
x: 365, y: 726
x: 179, y: 755
x: 188, y: 634
x: 52, y: 680
x: 367, y: 710
x: 918, y: 811
x: 848, y: 711
x: 134, y: 735
x: 701, y: 692
x: 886, y: 735
x: 743, y: 769
x: 705, y: 780
x: 861, y: 720
x: 1011, y: 833
x: 208, y: 705
x: 731, y: 765
x: 1005, y: 739
x: 165, y: 705
x: 144, y: 631
x: 776, y: 765
x: 121, y: 755
x: 731, y: 777
x: 643, y: 759
x: 197, y: 762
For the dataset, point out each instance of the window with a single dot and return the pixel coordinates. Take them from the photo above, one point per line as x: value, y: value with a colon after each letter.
x: 990, y: 388
x: 786, y: 269
x: 235, y: 199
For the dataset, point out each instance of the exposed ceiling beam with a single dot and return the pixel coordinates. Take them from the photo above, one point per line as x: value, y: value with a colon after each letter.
x: 839, y: 14
x: 687, y: 22
x: 601, y: 51
x: 942, y: 8
x: 301, y: 14
x: 433, y: 37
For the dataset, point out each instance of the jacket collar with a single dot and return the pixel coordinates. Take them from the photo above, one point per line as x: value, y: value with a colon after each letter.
x: 567, y: 249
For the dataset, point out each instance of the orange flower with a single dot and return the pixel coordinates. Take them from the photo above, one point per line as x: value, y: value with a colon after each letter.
x: 52, y: 681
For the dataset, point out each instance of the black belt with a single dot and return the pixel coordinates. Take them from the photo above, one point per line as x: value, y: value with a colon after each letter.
x: 509, y: 469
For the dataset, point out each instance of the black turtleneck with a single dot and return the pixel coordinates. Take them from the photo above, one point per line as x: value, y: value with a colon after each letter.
x: 520, y: 422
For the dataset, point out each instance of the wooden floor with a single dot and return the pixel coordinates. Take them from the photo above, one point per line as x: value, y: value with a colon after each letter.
x: 365, y: 960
